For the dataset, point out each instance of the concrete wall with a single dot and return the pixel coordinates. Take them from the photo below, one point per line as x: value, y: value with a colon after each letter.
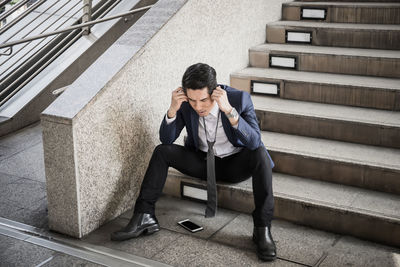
x: 114, y: 110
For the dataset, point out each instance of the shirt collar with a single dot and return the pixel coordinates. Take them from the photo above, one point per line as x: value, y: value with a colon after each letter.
x: 215, y: 109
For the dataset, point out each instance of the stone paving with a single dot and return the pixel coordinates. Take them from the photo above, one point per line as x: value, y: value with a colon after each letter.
x: 22, y: 177
x: 225, y: 240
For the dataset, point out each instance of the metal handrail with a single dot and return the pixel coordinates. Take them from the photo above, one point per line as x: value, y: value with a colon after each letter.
x: 37, y: 44
x: 12, y: 10
x: 72, y: 28
x: 32, y: 20
x: 109, y: 9
x: 54, y: 12
x: 7, y: 53
x: 59, y: 52
x: 61, y: 39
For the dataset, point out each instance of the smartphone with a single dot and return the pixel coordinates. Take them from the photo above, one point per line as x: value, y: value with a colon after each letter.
x: 190, y: 226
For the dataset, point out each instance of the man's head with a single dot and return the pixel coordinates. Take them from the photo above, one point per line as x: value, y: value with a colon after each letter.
x: 198, y: 82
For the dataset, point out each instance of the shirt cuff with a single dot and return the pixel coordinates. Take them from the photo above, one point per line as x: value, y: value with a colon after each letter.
x: 236, y: 126
x: 169, y: 120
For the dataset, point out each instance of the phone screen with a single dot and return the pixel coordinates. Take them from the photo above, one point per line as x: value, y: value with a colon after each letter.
x: 191, y: 226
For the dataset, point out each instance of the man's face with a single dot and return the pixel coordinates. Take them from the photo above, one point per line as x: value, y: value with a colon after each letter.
x: 200, y: 101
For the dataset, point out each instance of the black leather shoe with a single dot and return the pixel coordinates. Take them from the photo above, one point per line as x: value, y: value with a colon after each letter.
x: 266, y: 249
x: 141, y: 223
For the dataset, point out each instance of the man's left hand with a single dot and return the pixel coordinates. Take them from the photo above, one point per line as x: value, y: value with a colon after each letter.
x: 220, y: 96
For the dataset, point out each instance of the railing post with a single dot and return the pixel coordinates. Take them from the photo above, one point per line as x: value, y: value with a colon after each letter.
x: 87, y: 15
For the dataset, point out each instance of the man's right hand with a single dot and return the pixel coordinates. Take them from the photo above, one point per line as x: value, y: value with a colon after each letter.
x: 178, y: 97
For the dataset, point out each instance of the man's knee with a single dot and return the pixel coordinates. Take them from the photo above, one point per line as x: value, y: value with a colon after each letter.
x: 260, y: 155
x: 162, y: 148
x: 165, y: 151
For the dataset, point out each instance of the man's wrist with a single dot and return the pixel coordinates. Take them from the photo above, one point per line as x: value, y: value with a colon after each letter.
x: 171, y: 114
x: 228, y: 111
x: 232, y: 113
x: 233, y: 117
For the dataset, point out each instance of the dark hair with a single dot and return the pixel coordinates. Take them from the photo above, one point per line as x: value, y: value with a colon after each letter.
x: 198, y: 76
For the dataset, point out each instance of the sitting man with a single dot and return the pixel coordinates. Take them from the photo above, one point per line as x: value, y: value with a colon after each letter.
x: 219, y: 121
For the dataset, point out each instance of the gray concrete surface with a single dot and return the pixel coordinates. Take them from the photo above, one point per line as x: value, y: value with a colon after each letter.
x: 379, y: 36
x: 230, y: 244
x: 311, y: 24
x: 326, y: 111
x: 365, y: 166
x: 225, y: 241
x: 337, y: 51
x: 19, y: 253
x: 350, y: 90
x: 334, y: 150
x: 341, y: 60
x: 334, y: 122
x: 324, y: 78
x: 385, y: 13
x: 339, y: 4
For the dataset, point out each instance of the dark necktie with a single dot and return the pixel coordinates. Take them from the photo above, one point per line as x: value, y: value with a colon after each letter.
x: 211, y: 181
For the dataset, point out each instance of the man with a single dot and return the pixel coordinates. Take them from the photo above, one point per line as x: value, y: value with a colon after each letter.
x: 219, y: 121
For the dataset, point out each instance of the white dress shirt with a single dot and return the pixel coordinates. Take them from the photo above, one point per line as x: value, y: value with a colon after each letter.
x: 222, y: 146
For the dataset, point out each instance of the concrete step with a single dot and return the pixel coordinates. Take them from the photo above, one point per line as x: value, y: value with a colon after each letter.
x: 336, y: 34
x: 361, y: 91
x: 337, y: 208
x: 357, y: 1
x: 363, y: 166
x: 369, y: 62
x: 350, y: 124
x: 343, y: 12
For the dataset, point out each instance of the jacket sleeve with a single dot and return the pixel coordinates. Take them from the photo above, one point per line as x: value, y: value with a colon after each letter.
x: 170, y: 132
x: 248, y: 130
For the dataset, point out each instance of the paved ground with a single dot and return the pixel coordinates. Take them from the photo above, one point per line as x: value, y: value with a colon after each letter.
x: 225, y: 240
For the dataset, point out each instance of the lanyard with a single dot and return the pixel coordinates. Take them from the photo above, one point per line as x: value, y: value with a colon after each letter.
x: 216, y: 128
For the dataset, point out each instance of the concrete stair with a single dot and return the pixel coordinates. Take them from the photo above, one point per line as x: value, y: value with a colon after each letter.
x: 353, y: 1
x: 352, y: 164
x: 376, y: 36
x: 360, y: 91
x: 338, y: 208
x: 333, y: 127
x: 350, y: 124
x: 357, y: 61
x: 339, y: 12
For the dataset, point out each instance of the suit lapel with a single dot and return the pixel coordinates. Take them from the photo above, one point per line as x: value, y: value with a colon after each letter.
x: 227, y: 127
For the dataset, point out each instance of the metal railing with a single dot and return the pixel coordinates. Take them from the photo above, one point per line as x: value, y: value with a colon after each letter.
x: 24, y: 58
x: 72, y: 28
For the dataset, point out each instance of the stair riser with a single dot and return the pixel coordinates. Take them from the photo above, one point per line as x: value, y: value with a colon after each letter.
x: 381, y: 39
x: 369, y: 66
x: 379, y: 1
x: 338, y: 221
x: 238, y: 199
x: 349, y: 14
x: 318, y: 216
x: 378, y: 98
x: 363, y: 176
x: 333, y: 129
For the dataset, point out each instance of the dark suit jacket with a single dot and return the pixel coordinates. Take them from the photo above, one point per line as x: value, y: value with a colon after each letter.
x: 246, y: 135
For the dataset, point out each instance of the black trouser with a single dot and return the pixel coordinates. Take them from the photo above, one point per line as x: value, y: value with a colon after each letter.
x: 235, y: 168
